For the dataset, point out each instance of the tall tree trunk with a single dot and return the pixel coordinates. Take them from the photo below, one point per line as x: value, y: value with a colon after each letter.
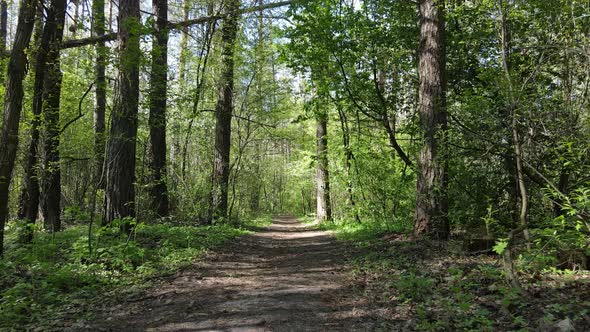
x: 51, y: 187
x: 29, y: 197
x: 3, y: 35
x: 200, y: 84
x: 324, y: 206
x: 431, y: 201
x: 98, y: 7
x: 3, y: 26
x: 571, y: 120
x: 517, y: 150
x: 13, y: 102
x: 120, y: 190
x: 157, y: 119
x: 175, y: 150
x: 223, y: 114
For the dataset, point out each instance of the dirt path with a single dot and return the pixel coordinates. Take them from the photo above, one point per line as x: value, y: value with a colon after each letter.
x: 286, y: 277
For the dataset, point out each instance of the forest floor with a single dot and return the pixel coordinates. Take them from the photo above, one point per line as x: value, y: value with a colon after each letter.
x: 285, y: 277
x: 295, y: 277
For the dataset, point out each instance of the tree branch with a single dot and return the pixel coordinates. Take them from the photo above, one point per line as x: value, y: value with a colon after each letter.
x: 72, y: 43
x: 80, y: 115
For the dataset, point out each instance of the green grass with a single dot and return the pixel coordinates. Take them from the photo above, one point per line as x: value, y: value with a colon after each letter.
x: 58, y: 273
x: 366, y: 233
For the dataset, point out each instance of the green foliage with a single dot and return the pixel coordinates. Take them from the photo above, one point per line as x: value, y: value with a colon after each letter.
x: 39, y: 279
x: 413, y: 287
x: 367, y: 233
x: 500, y: 246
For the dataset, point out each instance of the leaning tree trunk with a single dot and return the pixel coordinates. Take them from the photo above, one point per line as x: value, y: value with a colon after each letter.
x: 51, y: 186
x: 13, y: 102
x: 431, y: 201
x: 157, y: 119
x: 120, y: 191
x: 28, y: 207
x: 223, y: 114
x: 324, y: 206
x: 100, y: 91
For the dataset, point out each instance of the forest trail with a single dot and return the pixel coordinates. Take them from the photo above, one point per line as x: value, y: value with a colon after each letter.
x: 285, y: 277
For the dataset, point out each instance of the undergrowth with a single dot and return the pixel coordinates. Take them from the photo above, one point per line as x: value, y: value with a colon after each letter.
x: 367, y: 233
x: 424, y: 286
x: 60, y: 275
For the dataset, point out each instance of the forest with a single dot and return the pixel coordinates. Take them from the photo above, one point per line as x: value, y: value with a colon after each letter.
x: 297, y: 165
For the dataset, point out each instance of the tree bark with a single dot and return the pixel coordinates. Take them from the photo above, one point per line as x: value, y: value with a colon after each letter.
x: 51, y: 186
x: 98, y: 7
x: 3, y: 35
x: 157, y: 118
x: 120, y: 190
x: 431, y: 201
x: 324, y: 206
x: 29, y: 197
x: 13, y: 102
x: 223, y: 114
x: 3, y: 25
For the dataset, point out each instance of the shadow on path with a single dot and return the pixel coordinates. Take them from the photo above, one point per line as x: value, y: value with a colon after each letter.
x: 285, y: 277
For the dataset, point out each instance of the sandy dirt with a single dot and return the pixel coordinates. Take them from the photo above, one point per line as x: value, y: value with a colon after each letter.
x: 285, y: 277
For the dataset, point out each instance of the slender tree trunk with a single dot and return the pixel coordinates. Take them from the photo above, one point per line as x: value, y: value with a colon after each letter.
x: 175, y: 149
x: 200, y: 85
x: 157, y: 119
x: 571, y: 120
x: 13, y: 102
x: 223, y: 114
x: 51, y: 187
x: 29, y: 197
x: 324, y: 206
x: 387, y: 121
x: 3, y: 35
x: 120, y: 189
x: 3, y: 26
x: 517, y: 150
x: 348, y: 158
x: 431, y: 201
x: 512, y: 111
x: 99, y: 21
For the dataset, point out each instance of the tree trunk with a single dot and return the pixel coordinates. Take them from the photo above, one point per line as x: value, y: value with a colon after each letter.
x: 512, y: 111
x: 157, y: 119
x: 100, y: 92
x: 120, y: 190
x: 3, y: 26
x: 223, y: 114
x: 348, y: 158
x: 29, y: 198
x: 51, y: 185
x: 572, y: 120
x: 517, y: 150
x: 431, y: 201
x: 175, y: 150
x: 324, y: 206
x: 13, y: 102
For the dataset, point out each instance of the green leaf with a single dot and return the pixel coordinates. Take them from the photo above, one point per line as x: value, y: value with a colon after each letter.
x: 500, y: 246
